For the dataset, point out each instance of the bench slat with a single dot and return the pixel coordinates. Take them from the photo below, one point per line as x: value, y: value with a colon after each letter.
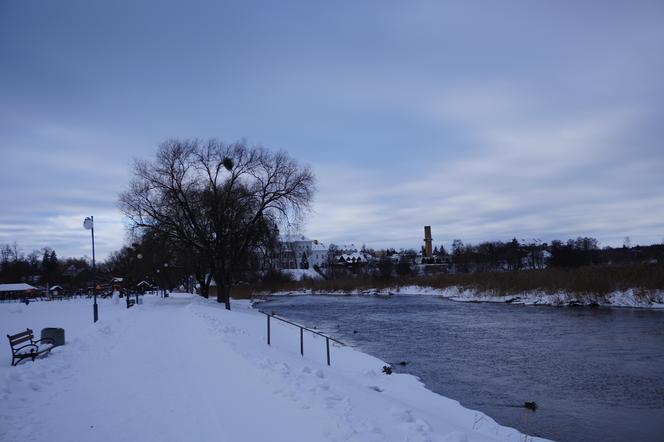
x: 20, y: 335
x: 14, y: 342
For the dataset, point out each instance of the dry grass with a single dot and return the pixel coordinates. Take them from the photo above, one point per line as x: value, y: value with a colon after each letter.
x: 598, y: 280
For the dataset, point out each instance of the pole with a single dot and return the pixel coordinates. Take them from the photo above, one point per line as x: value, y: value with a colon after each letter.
x: 301, y: 341
x: 95, y: 310
x: 268, y: 329
x: 327, y: 344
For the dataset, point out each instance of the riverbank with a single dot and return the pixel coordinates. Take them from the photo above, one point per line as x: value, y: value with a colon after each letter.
x: 595, y: 373
x: 184, y: 368
x: 631, y: 298
x: 636, y: 285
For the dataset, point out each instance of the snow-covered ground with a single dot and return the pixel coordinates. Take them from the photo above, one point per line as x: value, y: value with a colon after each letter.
x: 185, y: 369
x: 300, y: 274
x: 626, y: 298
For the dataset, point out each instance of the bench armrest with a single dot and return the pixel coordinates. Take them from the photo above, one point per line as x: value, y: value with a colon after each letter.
x: 15, y: 350
x: 45, y: 341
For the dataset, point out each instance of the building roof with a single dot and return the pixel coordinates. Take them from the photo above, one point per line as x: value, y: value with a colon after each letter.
x: 319, y: 247
x: 18, y: 287
x: 353, y: 257
x: 293, y: 238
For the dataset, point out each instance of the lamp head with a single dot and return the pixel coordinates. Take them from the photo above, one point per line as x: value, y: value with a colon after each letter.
x: 87, y: 223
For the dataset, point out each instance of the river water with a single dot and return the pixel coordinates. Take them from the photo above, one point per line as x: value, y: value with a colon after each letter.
x: 595, y: 374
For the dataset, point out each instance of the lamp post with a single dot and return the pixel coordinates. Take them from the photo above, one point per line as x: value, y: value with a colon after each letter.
x: 165, y: 279
x: 139, y: 256
x: 89, y: 224
x: 158, y: 282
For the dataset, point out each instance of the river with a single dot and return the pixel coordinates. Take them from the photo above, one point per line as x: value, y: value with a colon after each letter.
x: 595, y: 374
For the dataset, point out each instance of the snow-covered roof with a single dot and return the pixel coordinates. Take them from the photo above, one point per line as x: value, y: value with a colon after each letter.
x: 144, y: 282
x: 319, y: 247
x: 18, y: 287
x: 293, y: 238
x: 56, y: 287
x: 356, y: 256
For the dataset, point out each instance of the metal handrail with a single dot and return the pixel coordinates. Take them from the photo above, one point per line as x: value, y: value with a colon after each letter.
x: 302, y: 329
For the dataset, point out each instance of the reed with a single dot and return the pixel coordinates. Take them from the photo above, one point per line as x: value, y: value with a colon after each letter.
x: 595, y: 280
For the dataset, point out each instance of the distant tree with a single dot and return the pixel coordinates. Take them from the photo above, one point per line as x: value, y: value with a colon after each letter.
x: 457, y: 247
x: 515, y: 254
x: 332, y: 252
x: 304, y: 262
x: 575, y: 252
x: 49, y: 265
x: 404, y: 268
x: 385, y: 267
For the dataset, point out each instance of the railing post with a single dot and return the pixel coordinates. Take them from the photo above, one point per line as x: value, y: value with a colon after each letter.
x: 327, y: 344
x: 301, y: 341
x: 268, y: 329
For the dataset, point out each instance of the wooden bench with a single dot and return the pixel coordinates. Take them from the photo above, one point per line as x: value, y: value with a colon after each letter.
x: 31, y: 350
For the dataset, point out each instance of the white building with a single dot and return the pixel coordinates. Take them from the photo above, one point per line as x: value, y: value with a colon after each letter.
x: 298, y: 251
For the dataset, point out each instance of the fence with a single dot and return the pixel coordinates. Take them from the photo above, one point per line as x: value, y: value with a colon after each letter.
x: 302, y: 329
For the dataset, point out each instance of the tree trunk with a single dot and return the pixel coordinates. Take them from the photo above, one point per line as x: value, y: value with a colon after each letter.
x: 227, y: 295
x: 203, y: 284
x: 223, y: 295
x: 223, y: 290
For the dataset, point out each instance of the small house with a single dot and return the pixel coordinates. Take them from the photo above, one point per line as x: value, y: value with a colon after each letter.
x: 17, y: 291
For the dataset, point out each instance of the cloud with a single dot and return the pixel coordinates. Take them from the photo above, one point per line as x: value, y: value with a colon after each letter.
x: 530, y: 177
x: 534, y: 120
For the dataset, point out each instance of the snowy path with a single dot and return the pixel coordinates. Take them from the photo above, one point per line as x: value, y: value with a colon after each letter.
x: 185, y: 369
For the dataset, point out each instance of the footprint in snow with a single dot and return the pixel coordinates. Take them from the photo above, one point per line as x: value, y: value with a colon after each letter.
x: 106, y: 330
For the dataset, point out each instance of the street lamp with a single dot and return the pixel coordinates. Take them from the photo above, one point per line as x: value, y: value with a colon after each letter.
x: 89, y: 224
x: 165, y: 278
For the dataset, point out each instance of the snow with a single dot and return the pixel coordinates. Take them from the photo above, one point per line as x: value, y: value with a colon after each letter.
x: 184, y: 368
x: 631, y: 298
x: 299, y: 274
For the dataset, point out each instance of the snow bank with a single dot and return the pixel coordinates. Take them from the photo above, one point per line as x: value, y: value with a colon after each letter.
x: 626, y: 298
x: 183, y: 368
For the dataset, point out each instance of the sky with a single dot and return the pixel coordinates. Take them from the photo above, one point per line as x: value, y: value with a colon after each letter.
x: 486, y: 120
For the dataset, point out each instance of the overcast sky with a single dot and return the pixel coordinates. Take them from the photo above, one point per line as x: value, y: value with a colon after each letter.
x: 486, y: 120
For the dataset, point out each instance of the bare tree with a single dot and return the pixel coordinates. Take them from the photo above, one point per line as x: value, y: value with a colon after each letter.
x: 220, y: 199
